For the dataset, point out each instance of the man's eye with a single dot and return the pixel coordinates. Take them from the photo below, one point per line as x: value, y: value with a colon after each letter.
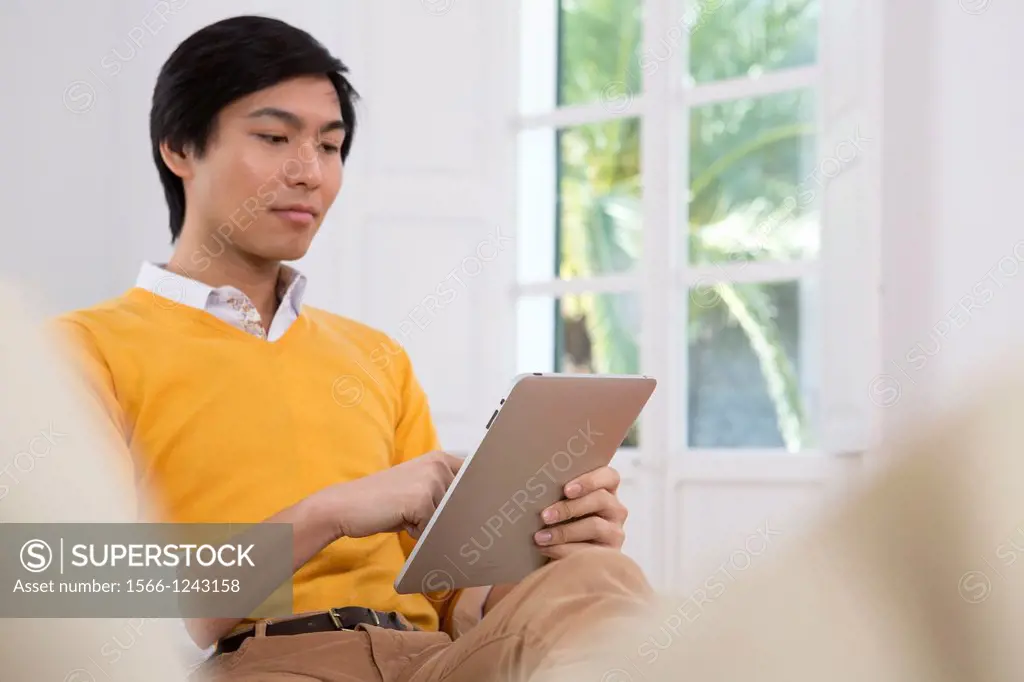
x: 273, y: 139
x: 331, y: 148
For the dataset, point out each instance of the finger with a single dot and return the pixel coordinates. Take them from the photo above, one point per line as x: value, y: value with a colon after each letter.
x: 439, y: 483
x: 605, y: 478
x: 600, y: 503
x: 592, y: 529
x: 557, y: 552
x: 454, y: 463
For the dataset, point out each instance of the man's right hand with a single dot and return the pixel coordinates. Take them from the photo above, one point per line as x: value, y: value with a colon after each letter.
x: 403, y: 497
x: 400, y: 498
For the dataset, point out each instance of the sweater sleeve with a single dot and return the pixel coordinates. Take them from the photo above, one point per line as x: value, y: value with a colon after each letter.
x: 98, y: 383
x: 416, y: 435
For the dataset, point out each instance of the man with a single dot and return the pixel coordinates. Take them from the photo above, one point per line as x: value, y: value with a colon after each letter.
x: 224, y: 387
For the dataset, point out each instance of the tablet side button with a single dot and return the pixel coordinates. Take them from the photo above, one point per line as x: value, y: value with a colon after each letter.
x: 491, y: 420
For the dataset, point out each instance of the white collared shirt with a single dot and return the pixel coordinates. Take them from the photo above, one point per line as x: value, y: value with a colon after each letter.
x: 228, y: 303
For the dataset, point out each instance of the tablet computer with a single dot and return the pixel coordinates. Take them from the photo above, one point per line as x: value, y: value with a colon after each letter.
x: 547, y: 430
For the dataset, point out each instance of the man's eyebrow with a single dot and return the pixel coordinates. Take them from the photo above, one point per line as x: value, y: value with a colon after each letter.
x: 273, y: 112
x: 293, y: 120
x: 337, y: 124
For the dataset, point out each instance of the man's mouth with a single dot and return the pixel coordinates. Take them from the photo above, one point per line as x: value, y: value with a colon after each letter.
x: 297, y: 213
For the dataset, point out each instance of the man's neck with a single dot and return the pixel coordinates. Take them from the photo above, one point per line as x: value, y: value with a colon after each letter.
x: 258, y: 280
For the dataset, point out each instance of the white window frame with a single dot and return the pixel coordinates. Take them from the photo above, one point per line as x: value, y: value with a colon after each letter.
x: 846, y: 288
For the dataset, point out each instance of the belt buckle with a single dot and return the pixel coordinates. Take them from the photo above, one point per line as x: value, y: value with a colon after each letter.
x: 338, y: 625
x: 336, y: 619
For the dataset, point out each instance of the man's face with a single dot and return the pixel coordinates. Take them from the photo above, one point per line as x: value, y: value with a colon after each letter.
x: 270, y: 172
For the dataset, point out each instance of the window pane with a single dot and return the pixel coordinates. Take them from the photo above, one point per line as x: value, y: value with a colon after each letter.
x: 750, y: 365
x: 598, y: 44
x: 753, y: 190
x: 580, y: 334
x: 579, y: 201
x: 599, y: 187
x: 740, y: 38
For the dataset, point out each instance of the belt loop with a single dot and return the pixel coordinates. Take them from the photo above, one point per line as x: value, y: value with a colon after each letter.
x: 260, y: 629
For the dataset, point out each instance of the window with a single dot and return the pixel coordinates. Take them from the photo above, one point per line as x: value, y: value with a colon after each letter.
x: 669, y: 221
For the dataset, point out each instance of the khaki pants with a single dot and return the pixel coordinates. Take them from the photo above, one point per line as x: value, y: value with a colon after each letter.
x: 541, y: 624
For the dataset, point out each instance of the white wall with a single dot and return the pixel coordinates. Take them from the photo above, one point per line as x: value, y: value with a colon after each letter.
x: 60, y: 212
x: 951, y: 178
x: 979, y: 178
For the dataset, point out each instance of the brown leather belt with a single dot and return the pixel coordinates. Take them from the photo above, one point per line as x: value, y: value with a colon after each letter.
x: 345, y: 618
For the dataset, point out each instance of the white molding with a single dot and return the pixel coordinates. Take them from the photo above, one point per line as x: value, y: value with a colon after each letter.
x: 749, y: 272
x: 502, y: 317
x: 755, y: 466
x: 760, y: 272
x: 582, y: 114
x: 872, y: 42
x: 850, y: 280
x: 664, y: 158
x: 537, y: 19
x: 632, y: 105
x: 610, y: 284
x: 771, y: 83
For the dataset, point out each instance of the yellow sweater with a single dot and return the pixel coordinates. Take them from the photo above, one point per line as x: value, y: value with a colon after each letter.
x: 226, y: 427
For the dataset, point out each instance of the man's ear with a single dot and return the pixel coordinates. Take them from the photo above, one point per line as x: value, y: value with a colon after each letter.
x: 180, y: 163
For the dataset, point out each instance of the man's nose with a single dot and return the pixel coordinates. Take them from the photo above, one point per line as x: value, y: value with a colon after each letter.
x: 305, y: 168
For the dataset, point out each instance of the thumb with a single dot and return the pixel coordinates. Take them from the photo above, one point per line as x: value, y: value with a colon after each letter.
x: 413, y: 530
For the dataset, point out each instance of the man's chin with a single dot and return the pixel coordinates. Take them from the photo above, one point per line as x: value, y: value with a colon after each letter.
x: 290, y: 251
x: 291, y: 254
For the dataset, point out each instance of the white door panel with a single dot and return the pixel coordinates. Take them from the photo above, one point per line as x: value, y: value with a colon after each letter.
x: 724, y: 529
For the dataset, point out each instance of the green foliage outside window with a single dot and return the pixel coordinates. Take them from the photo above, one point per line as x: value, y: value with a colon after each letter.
x: 749, y: 162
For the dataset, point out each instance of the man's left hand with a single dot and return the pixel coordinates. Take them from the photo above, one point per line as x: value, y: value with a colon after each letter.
x: 591, y: 514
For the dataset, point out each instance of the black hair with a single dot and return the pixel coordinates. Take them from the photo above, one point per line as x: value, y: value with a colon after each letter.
x: 221, y: 63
